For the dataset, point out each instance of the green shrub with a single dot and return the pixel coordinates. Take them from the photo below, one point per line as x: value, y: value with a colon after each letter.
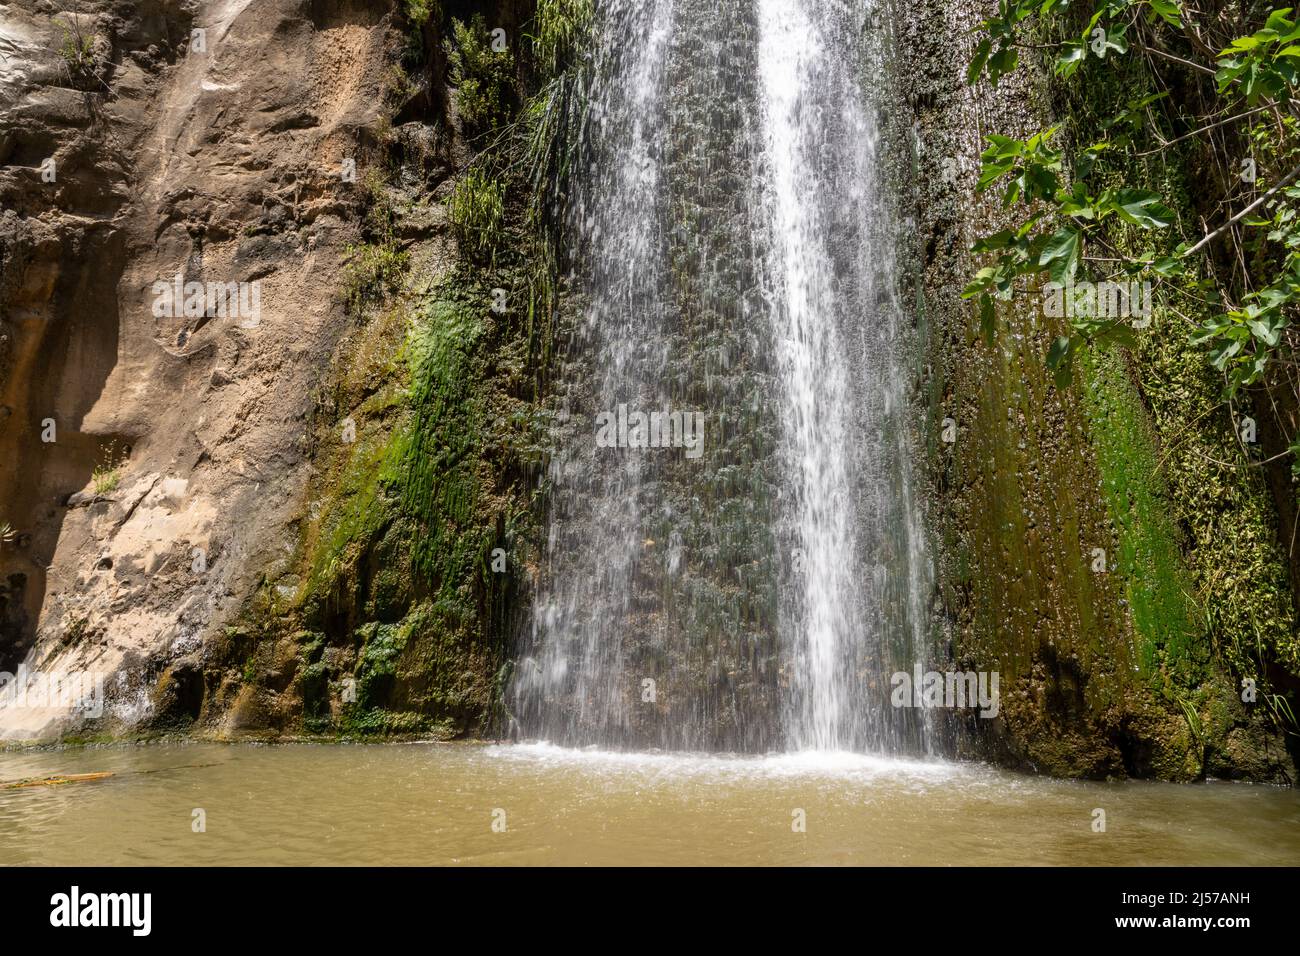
x: 420, y: 12
x: 484, y: 78
x: 77, y: 52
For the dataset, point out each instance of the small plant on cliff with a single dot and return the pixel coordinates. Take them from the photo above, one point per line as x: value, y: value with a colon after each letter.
x: 477, y: 210
x: 483, y: 72
x: 78, y: 53
x: 7, y: 533
x: 108, y: 473
x: 558, y: 27
x: 77, y: 629
x: 398, y: 86
x: 375, y: 267
x: 373, y: 270
x: 419, y: 12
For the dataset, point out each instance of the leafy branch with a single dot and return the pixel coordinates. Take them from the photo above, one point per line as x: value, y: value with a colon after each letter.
x: 1062, y: 219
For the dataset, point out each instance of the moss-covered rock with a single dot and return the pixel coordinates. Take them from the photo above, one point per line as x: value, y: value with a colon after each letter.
x: 417, y: 529
x: 1108, y: 547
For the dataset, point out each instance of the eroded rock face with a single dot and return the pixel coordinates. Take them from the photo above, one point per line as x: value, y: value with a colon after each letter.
x: 149, y: 450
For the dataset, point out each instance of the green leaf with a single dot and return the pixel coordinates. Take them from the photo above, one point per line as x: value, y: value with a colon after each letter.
x: 1226, y: 349
x: 1060, y: 360
x: 977, y: 64
x: 1039, y: 182
x: 1168, y: 266
x: 999, y: 240
x: 1117, y: 333
x: 987, y: 276
x: 1077, y: 203
x: 1002, y: 146
x: 1073, y: 54
x: 1060, y: 254
x: 1169, y: 11
x: 1278, y: 22
x: 1141, y: 208
x: 1265, y: 332
x: 1002, y: 62
x: 1059, y: 352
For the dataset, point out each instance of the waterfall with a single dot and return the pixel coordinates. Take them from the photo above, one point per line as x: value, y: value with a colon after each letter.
x: 734, y: 253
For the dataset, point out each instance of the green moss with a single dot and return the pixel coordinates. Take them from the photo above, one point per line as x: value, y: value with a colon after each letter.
x: 407, y: 521
x: 354, y: 511
x: 1204, y: 576
x: 377, y: 669
x: 416, y: 677
x: 393, y: 575
x: 1236, y: 561
x: 1019, y: 546
x: 435, y: 455
x: 1135, y: 670
x: 1157, y: 585
x: 1237, y: 571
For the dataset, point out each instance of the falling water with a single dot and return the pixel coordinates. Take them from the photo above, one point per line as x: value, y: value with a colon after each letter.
x: 734, y: 248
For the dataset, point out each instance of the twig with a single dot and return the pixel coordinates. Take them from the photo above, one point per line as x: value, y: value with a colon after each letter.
x: 1177, y: 59
x: 1227, y: 225
x: 1203, y: 129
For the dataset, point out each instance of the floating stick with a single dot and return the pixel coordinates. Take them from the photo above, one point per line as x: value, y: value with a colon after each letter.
x: 56, y: 781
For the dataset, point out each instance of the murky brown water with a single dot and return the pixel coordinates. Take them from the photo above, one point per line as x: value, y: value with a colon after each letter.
x: 434, y: 804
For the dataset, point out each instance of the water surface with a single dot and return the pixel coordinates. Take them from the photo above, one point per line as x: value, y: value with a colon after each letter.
x: 433, y: 804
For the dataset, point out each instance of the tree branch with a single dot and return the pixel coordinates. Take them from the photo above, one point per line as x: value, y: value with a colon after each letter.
x: 1228, y: 225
